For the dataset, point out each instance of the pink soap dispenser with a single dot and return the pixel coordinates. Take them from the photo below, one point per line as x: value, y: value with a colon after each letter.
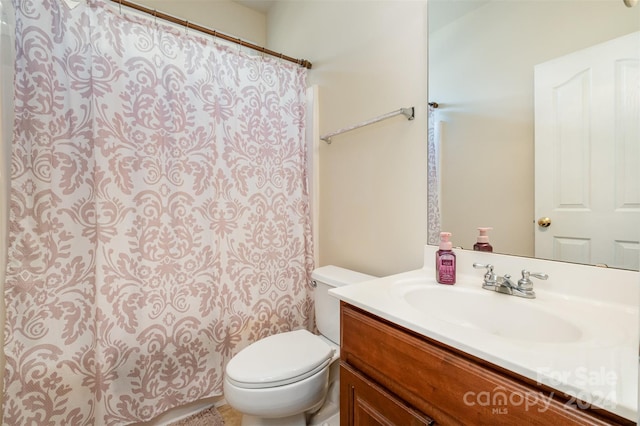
x: 482, y: 244
x: 445, y: 261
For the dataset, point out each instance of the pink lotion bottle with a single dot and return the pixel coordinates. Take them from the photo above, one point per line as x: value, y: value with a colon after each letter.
x: 445, y: 261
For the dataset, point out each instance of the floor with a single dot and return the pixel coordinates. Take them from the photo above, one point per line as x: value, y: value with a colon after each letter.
x: 231, y: 417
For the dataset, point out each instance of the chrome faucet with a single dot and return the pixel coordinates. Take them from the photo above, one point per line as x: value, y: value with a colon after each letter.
x: 523, y: 288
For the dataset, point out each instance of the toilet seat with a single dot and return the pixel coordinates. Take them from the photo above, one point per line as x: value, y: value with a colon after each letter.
x: 278, y: 360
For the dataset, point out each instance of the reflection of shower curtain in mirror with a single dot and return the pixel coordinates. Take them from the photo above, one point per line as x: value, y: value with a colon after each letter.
x: 7, y: 60
x: 159, y: 214
x: 433, y: 178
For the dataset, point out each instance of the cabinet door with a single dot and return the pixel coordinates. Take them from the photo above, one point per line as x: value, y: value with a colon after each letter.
x: 368, y: 404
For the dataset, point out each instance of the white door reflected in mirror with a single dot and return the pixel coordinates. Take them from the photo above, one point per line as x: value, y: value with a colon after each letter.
x: 587, y: 155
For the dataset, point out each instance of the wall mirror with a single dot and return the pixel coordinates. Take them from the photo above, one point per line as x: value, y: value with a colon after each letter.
x: 482, y: 60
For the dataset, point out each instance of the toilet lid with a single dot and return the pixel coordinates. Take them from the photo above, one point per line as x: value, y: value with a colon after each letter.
x: 279, y: 359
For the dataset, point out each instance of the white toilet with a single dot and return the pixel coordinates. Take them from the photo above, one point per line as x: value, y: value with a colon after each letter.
x: 292, y: 378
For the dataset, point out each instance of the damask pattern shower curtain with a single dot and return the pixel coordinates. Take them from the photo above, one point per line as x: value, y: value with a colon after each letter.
x: 433, y: 177
x: 159, y: 214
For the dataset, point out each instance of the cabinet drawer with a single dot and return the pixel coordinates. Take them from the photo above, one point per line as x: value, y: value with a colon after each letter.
x: 449, y: 385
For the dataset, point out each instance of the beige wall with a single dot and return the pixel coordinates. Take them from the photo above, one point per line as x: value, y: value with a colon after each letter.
x: 481, y: 73
x: 222, y: 15
x: 369, y: 58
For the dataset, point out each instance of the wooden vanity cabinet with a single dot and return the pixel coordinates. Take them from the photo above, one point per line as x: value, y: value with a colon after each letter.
x: 392, y: 376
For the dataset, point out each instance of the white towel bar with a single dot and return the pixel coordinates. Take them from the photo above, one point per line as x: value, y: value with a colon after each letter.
x: 407, y: 112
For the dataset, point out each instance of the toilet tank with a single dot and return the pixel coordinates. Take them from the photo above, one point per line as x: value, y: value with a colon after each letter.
x: 327, y: 307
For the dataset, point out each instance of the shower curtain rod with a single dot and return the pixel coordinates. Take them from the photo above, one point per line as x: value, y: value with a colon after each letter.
x: 407, y: 112
x: 208, y: 31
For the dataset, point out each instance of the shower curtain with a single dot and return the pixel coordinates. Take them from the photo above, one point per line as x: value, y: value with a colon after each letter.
x: 7, y: 56
x: 433, y: 177
x: 159, y: 214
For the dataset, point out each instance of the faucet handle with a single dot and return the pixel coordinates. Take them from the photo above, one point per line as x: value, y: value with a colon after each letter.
x: 482, y: 265
x: 489, y: 276
x: 525, y: 282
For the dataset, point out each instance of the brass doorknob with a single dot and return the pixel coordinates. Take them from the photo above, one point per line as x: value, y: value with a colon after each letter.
x: 544, y: 222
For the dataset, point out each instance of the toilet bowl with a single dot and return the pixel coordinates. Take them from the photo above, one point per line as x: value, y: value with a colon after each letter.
x: 284, y: 379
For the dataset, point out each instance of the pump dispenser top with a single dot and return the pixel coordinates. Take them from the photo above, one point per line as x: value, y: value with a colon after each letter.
x: 445, y: 243
x: 482, y: 243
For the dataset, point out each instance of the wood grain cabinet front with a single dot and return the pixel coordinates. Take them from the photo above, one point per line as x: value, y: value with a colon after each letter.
x: 369, y: 404
x: 392, y: 376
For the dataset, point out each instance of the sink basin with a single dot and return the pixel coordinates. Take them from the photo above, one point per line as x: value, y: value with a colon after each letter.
x: 506, y: 316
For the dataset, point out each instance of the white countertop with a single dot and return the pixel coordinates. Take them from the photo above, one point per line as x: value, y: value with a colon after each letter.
x: 601, y: 367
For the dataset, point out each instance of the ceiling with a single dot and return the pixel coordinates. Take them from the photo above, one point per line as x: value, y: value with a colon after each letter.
x: 262, y: 6
x: 443, y: 12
